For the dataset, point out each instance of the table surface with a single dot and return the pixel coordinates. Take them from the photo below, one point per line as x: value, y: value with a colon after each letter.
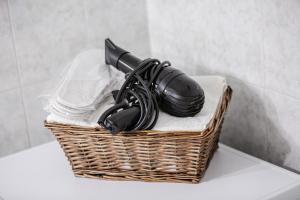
x: 43, y: 172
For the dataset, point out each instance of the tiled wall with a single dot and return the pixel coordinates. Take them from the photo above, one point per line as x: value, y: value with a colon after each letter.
x: 38, y: 38
x: 256, y: 45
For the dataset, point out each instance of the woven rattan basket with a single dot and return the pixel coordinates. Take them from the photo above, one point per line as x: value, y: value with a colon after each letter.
x: 153, y: 156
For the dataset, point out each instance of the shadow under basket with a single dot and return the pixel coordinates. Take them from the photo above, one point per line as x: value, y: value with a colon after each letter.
x: 152, y: 156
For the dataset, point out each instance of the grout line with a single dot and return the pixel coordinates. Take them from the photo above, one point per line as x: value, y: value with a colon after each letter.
x: 283, y: 93
x: 19, y: 71
x: 33, y: 83
x: 263, y: 87
x: 9, y: 89
x: 266, y: 127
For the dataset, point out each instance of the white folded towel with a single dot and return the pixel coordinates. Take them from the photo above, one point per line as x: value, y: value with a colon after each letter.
x: 213, y: 86
x: 85, y: 93
x: 87, y: 83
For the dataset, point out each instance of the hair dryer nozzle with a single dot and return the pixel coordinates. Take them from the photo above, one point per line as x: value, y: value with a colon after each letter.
x: 120, y: 58
x: 112, y: 53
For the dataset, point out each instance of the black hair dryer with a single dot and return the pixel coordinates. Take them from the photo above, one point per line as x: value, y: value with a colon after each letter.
x: 175, y: 92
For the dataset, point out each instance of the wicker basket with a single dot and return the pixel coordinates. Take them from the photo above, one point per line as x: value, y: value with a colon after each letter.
x: 153, y: 156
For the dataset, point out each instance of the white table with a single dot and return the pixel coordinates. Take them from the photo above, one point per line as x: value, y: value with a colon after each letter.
x: 43, y: 172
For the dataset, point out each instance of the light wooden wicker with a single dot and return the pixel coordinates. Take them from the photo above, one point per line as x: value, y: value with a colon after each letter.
x: 152, y: 156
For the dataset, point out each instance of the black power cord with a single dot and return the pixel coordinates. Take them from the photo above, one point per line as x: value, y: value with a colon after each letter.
x: 136, y: 104
x: 149, y: 85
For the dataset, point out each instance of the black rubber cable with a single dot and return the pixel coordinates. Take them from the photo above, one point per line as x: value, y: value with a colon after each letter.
x: 138, y: 90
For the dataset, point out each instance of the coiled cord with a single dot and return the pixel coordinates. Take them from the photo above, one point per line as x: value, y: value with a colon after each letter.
x: 138, y: 91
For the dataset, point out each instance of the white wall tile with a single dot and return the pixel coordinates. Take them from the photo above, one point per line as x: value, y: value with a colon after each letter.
x: 8, y: 69
x: 209, y: 36
x: 34, y: 102
x: 283, y: 132
x: 125, y: 22
x: 48, y: 34
x: 282, y: 45
x: 256, y: 45
x: 13, y: 130
x: 244, y: 126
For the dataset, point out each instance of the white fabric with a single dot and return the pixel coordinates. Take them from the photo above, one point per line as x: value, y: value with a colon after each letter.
x: 86, y: 84
x: 213, y: 86
x: 85, y: 93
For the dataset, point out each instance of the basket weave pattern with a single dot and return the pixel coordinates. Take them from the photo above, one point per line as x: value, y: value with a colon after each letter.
x: 152, y: 156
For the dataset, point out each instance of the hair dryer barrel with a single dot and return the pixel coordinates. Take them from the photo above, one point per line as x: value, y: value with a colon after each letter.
x: 120, y: 58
